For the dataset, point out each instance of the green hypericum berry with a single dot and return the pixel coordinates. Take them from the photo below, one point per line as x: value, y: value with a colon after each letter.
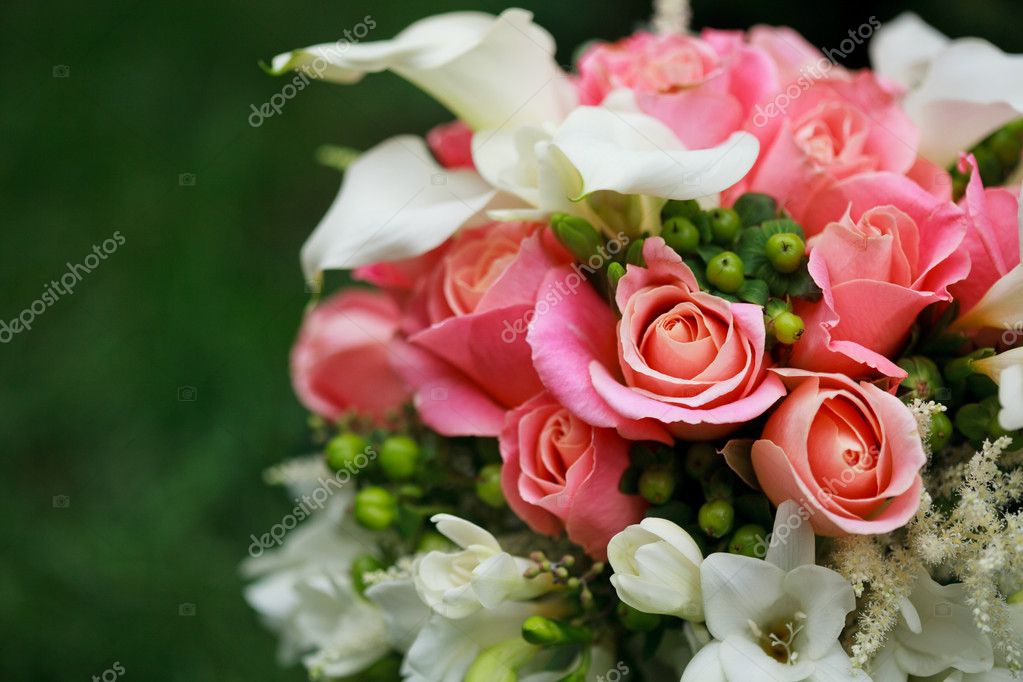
x: 749, y: 540
x: 657, y: 483
x: 941, y: 431
x: 343, y: 450
x: 716, y: 518
x: 785, y: 251
x: 635, y: 620
x: 788, y: 327
x: 675, y: 208
x: 701, y: 458
x: 488, y: 486
x: 681, y: 235
x: 726, y: 272
x: 432, y: 541
x: 399, y: 456
x: 923, y: 377
x: 375, y: 508
x: 725, y: 225
x: 363, y: 564
x: 1006, y: 147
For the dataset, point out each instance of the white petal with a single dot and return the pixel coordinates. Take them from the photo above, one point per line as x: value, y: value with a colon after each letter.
x: 745, y: 661
x: 837, y: 667
x: 500, y: 578
x: 1010, y: 395
x: 489, y: 71
x: 792, y: 541
x: 651, y: 597
x: 404, y: 612
x: 631, y: 153
x: 902, y: 48
x: 464, y: 533
x: 1001, y: 307
x: 395, y: 202
x: 826, y: 598
x: 736, y: 590
x: 705, y: 666
x: 675, y: 536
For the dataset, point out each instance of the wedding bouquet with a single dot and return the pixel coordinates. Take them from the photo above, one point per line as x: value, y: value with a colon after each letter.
x: 702, y: 361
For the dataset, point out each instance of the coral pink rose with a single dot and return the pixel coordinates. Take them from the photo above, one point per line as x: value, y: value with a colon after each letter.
x: 341, y: 360
x: 792, y: 54
x: 849, y: 453
x: 466, y: 367
x: 561, y: 474
x: 814, y: 133
x: 685, y: 363
x: 701, y: 88
x: 992, y: 239
x: 885, y: 249
x: 451, y: 143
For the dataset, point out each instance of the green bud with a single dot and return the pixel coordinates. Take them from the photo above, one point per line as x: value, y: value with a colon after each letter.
x: 343, y: 450
x: 375, y: 508
x: 634, y: 253
x: 700, y: 459
x: 615, y: 272
x: 488, y: 486
x: 749, y: 540
x: 1006, y: 147
x: 363, y: 564
x: 725, y: 225
x: 924, y: 377
x: 716, y: 518
x: 788, y: 327
x: 785, y: 251
x: 681, y: 235
x: 548, y: 632
x: 941, y: 431
x: 726, y: 272
x: 398, y: 457
x: 501, y: 662
x: 577, y: 235
x: 1016, y: 597
x: 635, y: 620
x: 675, y: 208
x: 657, y: 483
x: 432, y: 541
x: 754, y: 208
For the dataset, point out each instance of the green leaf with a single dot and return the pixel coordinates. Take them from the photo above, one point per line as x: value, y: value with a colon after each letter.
x: 754, y: 208
x: 708, y: 251
x: 699, y: 271
x: 754, y: 291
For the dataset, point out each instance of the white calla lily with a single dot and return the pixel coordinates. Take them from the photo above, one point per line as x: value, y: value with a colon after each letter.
x: 490, y: 71
x: 481, y: 575
x: 395, y: 202
x: 1000, y: 308
x: 1006, y: 370
x: 959, y: 91
x: 657, y: 569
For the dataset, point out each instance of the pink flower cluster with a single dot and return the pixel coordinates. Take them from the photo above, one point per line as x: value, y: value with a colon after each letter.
x: 565, y: 399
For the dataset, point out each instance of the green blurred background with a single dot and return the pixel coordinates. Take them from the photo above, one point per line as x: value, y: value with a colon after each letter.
x: 139, y: 412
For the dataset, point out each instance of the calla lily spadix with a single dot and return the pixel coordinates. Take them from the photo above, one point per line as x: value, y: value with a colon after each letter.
x: 489, y: 71
x: 958, y: 91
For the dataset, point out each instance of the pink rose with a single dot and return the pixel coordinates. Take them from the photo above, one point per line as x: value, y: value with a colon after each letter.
x: 561, y: 474
x: 701, y: 88
x: 849, y: 453
x: 467, y: 355
x: 685, y: 363
x: 992, y: 239
x: 792, y: 54
x: 451, y: 143
x: 816, y: 132
x: 885, y: 249
x: 341, y: 360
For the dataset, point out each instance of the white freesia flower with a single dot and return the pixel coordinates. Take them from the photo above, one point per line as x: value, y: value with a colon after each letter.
x: 657, y: 569
x: 778, y: 619
x: 489, y: 71
x: 959, y: 91
x: 303, y: 591
x: 1000, y: 672
x: 395, y: 202
x: 480, y: 575
x: 936, y: 632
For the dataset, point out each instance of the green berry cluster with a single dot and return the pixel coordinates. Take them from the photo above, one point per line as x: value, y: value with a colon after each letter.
x: 997, y: 155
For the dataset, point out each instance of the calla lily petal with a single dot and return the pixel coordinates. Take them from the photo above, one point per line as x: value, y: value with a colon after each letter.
x: 489, y: 71
x: 1000, y: 308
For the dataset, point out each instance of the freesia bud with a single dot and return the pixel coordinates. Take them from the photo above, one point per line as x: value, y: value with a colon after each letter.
x: 548, y: 632
x: 657, y: 569
x: 500, y: 663
x: 577, y: 235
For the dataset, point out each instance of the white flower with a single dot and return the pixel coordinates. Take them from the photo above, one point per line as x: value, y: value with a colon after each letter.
x: 489, y: 71
x: 1000, y: 672
x: 657, y: 569
x: 959, y: 91
x: 304, y: 591
x: 481, y: 575
x: 936, y: 632
x: 777, y: 619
